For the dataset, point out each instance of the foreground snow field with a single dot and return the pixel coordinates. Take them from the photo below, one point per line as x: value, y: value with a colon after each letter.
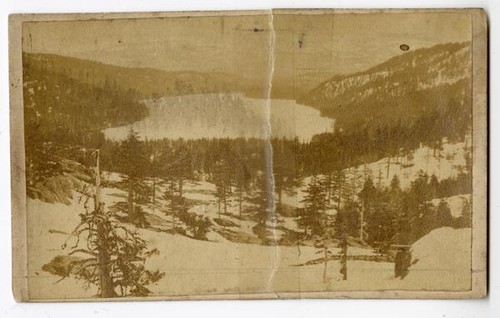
x: 219, y: 266
x: 443, y: 259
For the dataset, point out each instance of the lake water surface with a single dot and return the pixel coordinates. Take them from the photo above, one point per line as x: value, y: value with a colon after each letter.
x: 225, y: 116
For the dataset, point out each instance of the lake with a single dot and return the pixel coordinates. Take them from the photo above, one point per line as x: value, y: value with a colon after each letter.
x: 225, y: 116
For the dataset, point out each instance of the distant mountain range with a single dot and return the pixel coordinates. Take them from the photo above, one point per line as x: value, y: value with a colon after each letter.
x: 147, y: 82
x: 400, y: 90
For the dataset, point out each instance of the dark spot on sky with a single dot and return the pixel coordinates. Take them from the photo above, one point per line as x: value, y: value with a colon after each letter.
x: 404, y: 47
x: 301, y: 40
x: 119, y: 41
x: 257, y: 30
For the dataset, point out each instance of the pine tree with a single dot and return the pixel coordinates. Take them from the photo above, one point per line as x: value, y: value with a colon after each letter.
x: 420, y: 187
x: 223, y: 179
x: 312, y: 219
x: 443, y: 214
x: 396, y: 197
x: 132, y: 161
x: 465, y: 219
x: 335, y: 186
x: 433, y: 186
x: 368, y: 197
x: 154, y: 171
x: 265, y: 206
x: 346, y: 225
x: 113, y: 256
x: 175, y: 166
x: 379, y: 214
x: 242, y: 184
x: 284, y: 171
x: 353, y: 182
x: 181, y: 168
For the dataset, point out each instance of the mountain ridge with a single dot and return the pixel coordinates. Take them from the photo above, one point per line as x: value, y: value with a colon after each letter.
x: 148, y: 82
x: 401, y: 89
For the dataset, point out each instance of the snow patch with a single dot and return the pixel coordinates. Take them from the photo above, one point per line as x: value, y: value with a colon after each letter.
x: 443, y: 260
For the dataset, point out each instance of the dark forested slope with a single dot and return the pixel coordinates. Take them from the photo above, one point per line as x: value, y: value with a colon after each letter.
x: 430, y: 85
x: 147, y: 82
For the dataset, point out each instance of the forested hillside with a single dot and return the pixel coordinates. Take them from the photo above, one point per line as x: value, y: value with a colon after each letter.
x: 421, y: 91
x: 147, y: 82
x: 62, y: 116
x: 62, y: 109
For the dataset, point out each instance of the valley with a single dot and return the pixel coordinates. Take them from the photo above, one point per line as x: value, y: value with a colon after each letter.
x: 201, y: 186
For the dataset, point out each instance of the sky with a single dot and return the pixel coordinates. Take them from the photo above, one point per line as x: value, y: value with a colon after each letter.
x: 303, y: 43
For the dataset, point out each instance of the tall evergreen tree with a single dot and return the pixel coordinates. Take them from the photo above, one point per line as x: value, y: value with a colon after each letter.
x: 312, y: 219
x: 265, y: 207
x: 243, y: 178
x: 346, y: 225
x: 443, y: 214
x: 223, y: 179
x: 368, y: 197
x: 465, y: 219
x: 132, y: 161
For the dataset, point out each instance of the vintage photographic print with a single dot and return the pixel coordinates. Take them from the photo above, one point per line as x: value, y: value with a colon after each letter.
x: 250, y: 154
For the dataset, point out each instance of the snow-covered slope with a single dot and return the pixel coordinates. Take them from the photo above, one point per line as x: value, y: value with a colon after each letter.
x: 190, y: 266
x: 193, y: 266
x: 445, y: 163
x: 443, y: 64
x: 443, y: 260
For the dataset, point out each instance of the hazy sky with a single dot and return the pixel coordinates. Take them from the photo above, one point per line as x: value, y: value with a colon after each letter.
x: 341, y: 43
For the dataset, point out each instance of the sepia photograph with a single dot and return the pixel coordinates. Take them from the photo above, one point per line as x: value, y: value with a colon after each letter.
x: 249, y: 154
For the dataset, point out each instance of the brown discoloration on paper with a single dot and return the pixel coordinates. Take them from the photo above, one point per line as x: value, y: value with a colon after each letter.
x: 245, y: 212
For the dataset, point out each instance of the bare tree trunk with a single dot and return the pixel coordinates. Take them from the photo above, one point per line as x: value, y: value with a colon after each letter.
x: 219, y: 206
x: 388, y: 166
x: 240, y: 201
x: 427, y: 162
x: 154, y: 193
x: 224, y: 196
x: 105, y: 280
x: 172, y: 205
x: 341, y: 183
x: 130, y: 201
x: 361, y: 221
x: 329, y: 187
x: 325, y: 250
x: 343, y: 258
x: 354, y: 183
x: 280, y: 199
x: 180, y: 187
